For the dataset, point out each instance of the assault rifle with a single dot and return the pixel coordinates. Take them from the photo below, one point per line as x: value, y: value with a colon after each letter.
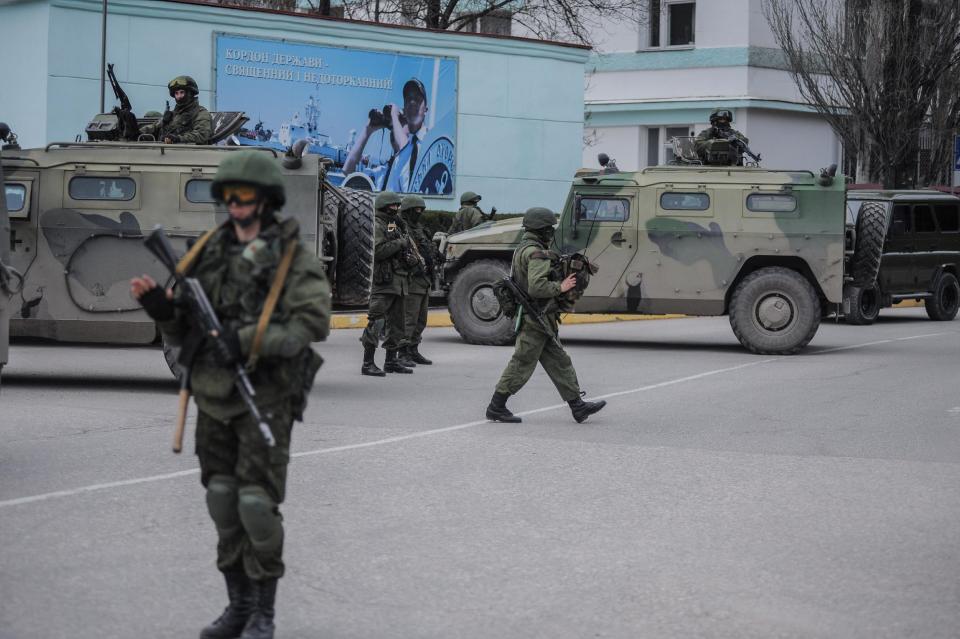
x: 531, y: 309
x: 129, y: 128
x: 201, y: 311
x: 739, y: 145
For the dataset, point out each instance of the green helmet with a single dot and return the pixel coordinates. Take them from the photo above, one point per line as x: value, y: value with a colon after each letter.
x: 152, y: 114
x: 385, y: 199
x: 250, y: 167
x: 721, y: 113
x: 469, y: 197
x: 184, y: 82
x: 412, y: 202
x: 539, y: 218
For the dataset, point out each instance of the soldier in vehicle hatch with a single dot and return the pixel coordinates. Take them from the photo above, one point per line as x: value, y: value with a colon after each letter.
x: 245, y: 266
x: 188, y: 123
x: 416, y: 304
x: 720, y: 129
x: 537, y: 339
x: 469, y: 214
x: 393, y: 259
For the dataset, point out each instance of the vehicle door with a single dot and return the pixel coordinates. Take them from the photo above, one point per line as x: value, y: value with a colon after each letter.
x: 948, y: 220
x: 602, y: 226
x: 926, y: 257
x: 896, y: 266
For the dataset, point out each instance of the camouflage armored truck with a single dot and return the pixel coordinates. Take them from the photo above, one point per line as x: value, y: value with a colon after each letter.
x: 9, y: 277
x: 79, y: 212
x: 771, y: 249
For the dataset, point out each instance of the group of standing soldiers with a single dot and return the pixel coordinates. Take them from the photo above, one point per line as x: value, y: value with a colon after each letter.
x: 404, y: 258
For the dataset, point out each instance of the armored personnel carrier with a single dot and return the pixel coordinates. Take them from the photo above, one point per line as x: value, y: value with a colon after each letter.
x: 770, y: 249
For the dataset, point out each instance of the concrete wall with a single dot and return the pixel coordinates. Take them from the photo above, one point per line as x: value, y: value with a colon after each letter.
x: 790, y: 140
x: 520, y: 122
x: 23, y: 91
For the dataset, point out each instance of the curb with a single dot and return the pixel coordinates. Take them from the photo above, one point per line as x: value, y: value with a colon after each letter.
x: 441, y: 318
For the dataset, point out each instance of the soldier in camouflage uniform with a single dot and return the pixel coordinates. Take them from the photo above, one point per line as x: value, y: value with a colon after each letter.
x: 244, y: 477
x: 469, y: 214
x: 719, y: 129
x: 533, y: 271
x: 417, y: 301
x: 393, y: 257
x: 188, y: 123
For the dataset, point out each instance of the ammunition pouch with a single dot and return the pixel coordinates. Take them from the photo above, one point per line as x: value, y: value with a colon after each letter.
x: 383, y: 273
x: 508, y: 303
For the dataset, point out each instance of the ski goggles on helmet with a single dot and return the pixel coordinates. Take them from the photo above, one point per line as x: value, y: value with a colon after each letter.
x: 240, y: 194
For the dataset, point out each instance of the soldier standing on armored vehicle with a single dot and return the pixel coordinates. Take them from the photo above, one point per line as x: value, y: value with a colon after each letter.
x: 469, y: 214
x: 393, y: 257
x: 533, y: 271
x: 719, y: 129
x: 188, y: 123
x: 416, y: 305
x: 240, y: 265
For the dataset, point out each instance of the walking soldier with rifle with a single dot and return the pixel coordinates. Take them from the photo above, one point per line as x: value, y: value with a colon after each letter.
x: 417, y: 300
x: 249, y: 300
x: 530, y: 294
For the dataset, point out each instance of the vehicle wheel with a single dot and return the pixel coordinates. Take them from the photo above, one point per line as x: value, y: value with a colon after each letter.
x: 774, y: 311
x: 943, y: 305
x: 170, y: 353
x: 354, y: 248
x: 864, y: 304
x: 871, y: 231
x: 474, y: 308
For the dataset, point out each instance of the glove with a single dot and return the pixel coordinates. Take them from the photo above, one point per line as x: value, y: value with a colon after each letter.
x: 227, y: 348
x: 156, y: 304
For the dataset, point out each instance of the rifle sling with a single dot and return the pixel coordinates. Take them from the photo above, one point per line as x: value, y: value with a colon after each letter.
x: 271, y: 302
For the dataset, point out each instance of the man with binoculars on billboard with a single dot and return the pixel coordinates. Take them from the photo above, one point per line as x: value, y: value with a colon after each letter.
x: 405, y: 126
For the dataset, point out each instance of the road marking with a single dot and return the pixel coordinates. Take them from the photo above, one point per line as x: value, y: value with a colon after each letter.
x: 436, y: 431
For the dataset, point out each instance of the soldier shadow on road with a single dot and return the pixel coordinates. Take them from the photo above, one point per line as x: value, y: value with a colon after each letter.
x: 92, y: 382
x: 658, y: 345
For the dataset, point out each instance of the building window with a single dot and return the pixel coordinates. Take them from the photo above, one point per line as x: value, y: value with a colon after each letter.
x: 685, y: 201
x: 662, y: 152
x: 499, y: 22
x: 672, y: 23
x: 653, y: 146
x: 198, y: 191
x: 102, y: 188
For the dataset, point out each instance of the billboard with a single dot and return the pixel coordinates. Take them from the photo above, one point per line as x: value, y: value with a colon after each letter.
x: 385, y: 120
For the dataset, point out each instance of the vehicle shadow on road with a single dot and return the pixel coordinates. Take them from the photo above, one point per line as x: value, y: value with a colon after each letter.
x: 92, y: 382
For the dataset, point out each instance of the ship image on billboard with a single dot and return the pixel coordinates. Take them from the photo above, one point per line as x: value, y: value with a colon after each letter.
x: 386, y: 121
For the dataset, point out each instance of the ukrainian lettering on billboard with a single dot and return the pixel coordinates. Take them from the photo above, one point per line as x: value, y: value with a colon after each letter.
x: 385, y: 120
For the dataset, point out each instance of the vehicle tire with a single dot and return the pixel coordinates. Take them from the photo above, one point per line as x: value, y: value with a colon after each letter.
x: 354, y: 248
x: 943, y: 304
x: 774, y: 311
x: 871, y: 231
x: 170, y: 354
x: 864, y: 304
x: 473, y: 307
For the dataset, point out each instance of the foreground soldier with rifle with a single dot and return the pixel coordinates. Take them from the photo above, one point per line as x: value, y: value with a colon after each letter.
x: 250, y: 299
x: 534, y: 293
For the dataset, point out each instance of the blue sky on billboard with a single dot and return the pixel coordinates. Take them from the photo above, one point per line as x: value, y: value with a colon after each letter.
x: 325, y: 95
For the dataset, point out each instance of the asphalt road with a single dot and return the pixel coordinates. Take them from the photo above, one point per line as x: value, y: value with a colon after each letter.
x: 720, y: 494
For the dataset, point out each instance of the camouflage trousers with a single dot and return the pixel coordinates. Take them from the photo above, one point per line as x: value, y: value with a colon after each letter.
x: 533, y: 345
x: 385, y: 314
x: 415, y: 309
x: 232, y: 452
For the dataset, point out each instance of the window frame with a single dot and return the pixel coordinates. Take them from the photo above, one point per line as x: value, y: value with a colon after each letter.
x: 22, y: 213
x: 618, y: 222
x: 93, y: 203
x: 684, y: 189
x: 768, y: 211
x: 115, y: 179
x: 663, y: 25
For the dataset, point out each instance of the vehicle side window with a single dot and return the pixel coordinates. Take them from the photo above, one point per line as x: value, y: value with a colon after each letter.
x: 16, y: 196
x: 923, y: 219
x: 948, y: 217
x: 685, y: 201
x: 198, y: 191
x: 604, y: 209
x: 771, y: 203
x: 900, y: 222
x: 102, y: 188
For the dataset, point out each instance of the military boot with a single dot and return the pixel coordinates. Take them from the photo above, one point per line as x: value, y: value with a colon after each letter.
x: 231, y: 623
x: 404, y: 358
x: 260, y: 625
x: 369, y: 366
x: 497, y: 410
x: 414, y: 352
x: 581, y: 409
x: 393, y: 365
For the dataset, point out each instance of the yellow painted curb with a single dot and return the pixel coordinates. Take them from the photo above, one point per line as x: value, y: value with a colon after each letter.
x: 908, y: 304
x: 441, y: 318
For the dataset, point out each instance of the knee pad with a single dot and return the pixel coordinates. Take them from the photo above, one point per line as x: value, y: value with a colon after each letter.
x: 260, y: 518
x: 222, y: 503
